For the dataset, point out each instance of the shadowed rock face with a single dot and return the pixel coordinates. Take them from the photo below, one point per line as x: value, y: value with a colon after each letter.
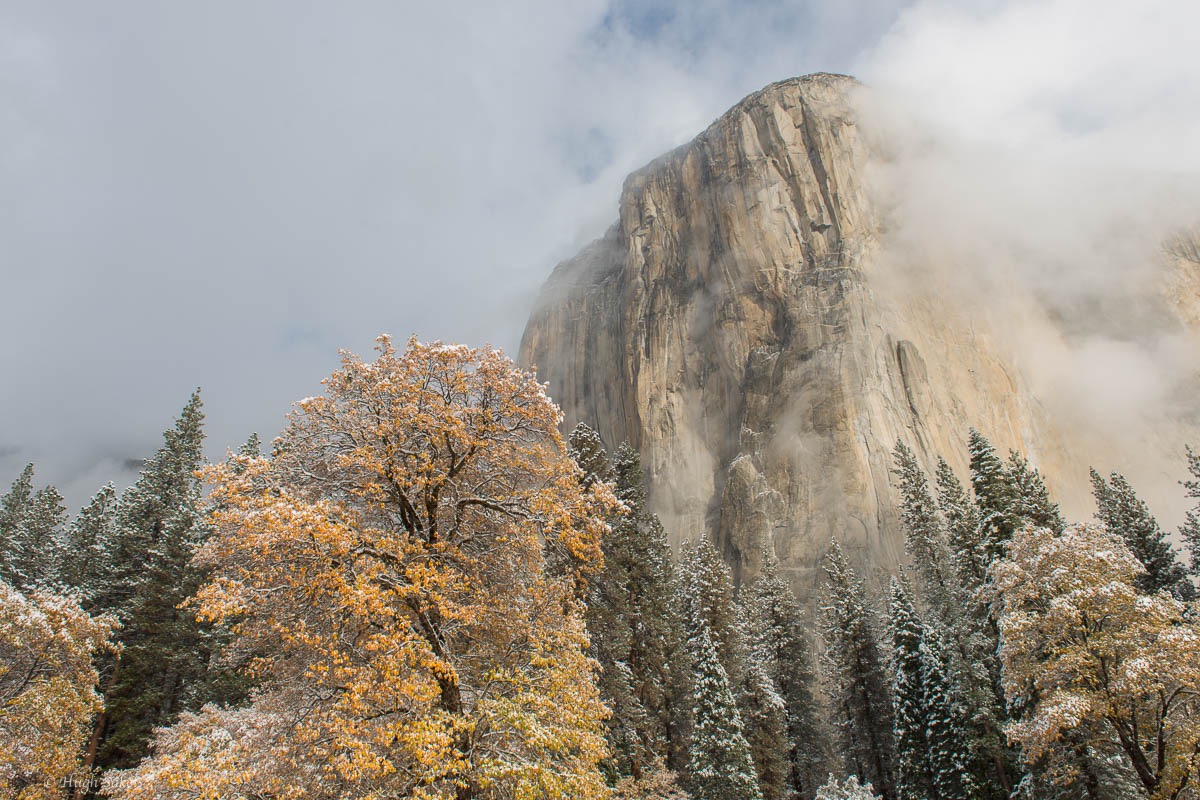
x: 735, y: 326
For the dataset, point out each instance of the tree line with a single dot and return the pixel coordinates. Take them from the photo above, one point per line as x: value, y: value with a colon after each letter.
x: 425, y: 590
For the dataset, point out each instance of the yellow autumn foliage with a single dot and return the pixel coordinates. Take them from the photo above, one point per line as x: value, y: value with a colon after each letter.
x: 405, y: 572
x: 47, y: 691
x: 1090, y: 659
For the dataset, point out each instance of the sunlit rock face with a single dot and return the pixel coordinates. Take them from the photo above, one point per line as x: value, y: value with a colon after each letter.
x: 740, y: 327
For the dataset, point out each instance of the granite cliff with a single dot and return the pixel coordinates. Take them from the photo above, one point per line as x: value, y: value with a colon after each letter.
x: 740, y: 325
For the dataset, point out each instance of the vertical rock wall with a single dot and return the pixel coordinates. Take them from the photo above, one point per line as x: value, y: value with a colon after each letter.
x: 733, y: 326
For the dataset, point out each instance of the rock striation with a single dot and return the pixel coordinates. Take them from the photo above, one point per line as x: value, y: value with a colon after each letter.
x: 738, y: 325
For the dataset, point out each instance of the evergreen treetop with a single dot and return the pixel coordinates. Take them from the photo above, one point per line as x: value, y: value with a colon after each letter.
x: 719, y: 762
x: 31, y: 529
x: 1124, y: 514
x: 860, y: 690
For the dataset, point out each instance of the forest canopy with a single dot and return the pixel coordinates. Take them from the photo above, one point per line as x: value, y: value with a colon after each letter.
x: 426, y: 590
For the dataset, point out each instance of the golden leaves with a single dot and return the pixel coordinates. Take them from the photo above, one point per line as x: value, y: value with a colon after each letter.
x: 1086, y: 652
x: 47, y: 690
x: 406, y: 565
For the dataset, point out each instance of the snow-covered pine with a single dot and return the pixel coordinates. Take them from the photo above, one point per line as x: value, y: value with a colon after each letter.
x: 719, y: 762
x: 707, y: 589
x: 914, y: 776
x: 973, y: 630
x: 88, y: 546
x: 857, y: 675
x: 948, y: 733
x: 1032, y: 504
x: 779, y: 637
x: 964, y: 530
x: 164, y: 665
x: 1124, y: 514
x: 1190, y: 530
x: 634, y: 624
x: 764, y: 719
x: 994, y: 495
x: 924, y: 534
x: 31, y: 526
x: 849, y: 789
x: 588, y: 453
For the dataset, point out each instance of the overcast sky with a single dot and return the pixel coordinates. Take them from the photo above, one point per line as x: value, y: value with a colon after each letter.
x: 222, y: 194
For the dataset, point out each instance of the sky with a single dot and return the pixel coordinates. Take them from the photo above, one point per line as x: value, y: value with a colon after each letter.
x: 221, y: 195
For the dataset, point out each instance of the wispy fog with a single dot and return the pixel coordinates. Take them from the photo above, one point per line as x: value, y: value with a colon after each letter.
x: 1042, y: 156
x: 222, y: 194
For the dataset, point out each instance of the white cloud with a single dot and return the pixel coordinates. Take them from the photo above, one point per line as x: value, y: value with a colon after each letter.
x: 222, y: 194
x: 1045, y: 151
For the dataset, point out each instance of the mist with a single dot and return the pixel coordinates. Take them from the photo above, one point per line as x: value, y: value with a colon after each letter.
x: 223, y: 195
x: 1039, y: 165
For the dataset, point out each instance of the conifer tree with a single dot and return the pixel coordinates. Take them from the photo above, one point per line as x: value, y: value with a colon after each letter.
x: 719, y: 763
x: 89, y: 543
x: 964, y: 530
x: 1009, y: 495
x: 994, y: 495
x: 30, y: 533
x: 948, y: 731
x: 1190, y: 530
x: 1032, y: 504
x: 588, y: 453
x: 973, y: 630
x: 633, y: 620
x: 779, y: 640
x: 858, y: 679
x: 707, y: 587
x: 1124, y: 514
x: 764, y: 719
x: 914, y: 777
x: 849, y: 789
x: 251, y: 448
x: 710, y: 600
x: 924, y: 534
x: 163, y: 667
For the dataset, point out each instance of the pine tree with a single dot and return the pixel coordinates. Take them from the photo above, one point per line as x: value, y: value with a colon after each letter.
x: 1009, y: 495
x: 764, y: 719
x: 859, y: 688
x: 948, y: 731
x: 30, y: 533
x: 163, y: 667
x: 924, y: 535
x: 973, y: 631
x: 251, y: 448
x: 850, y: 789
x: 994, y: 495
x: 1190, y: 530
x: 914, y: 777
x: 719, y: 763
x: 707, y: 588
x: 588, y: 453
x: 968, y: 550
x: 1032, y: 504
x: 779, y: 639
x: 634, y: 621
x: 89, y: 543
x: 1124, y: 514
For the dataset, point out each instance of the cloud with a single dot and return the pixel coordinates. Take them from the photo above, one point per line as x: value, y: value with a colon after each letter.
x: 222, y: 194
x: 1039, y: 155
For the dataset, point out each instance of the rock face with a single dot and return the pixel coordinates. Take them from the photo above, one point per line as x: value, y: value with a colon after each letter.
x: 736, y: 326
